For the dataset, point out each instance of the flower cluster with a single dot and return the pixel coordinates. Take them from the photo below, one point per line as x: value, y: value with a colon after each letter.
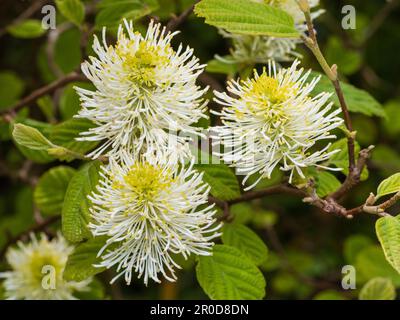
x: 38, y: 271
x: 149, y: 205
x: 260, y: 49
x: 144, y: 91
x: 271, y: 119
x: 151, y: 211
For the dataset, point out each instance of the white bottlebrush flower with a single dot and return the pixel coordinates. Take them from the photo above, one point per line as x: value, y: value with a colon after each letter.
x: 259, y: 49
x: 145, y: 93
x: 271, y: 119
x: 150, y: 212
x: 37, y: 271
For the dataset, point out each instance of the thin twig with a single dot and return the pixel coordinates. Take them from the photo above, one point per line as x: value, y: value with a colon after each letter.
x: 251, y: 195
x: 36, y: 5
x: 353, y: 178
x: 71, y: 77
x: 176, y: 21
x: 312, y: 43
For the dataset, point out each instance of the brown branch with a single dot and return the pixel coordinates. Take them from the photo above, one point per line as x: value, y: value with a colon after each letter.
x: 71, y: 77
x: 35, y: 228
x: 248, y: 196
x: 354, y: 169
x: 36, y: 5
x: 390, y: 202
x: 348, y: 123
x: 353, y: 178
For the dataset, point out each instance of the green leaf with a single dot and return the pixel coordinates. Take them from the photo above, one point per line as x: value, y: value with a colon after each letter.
x: 65, y: 134
x: 11, y: 88
x: 247, y: 17
x: 68, y: 41
x: 341, y: 158
x: 50, y: 189
x: 354, y: 245
x: 378, y: 289
x: 75, y: 211
x: 357, y: 100
x: 389, y: 185
x: 386, y: 159
x: 221, y: 179
x: 329, y: 295
x: 371, y: 263
x: 73, y: 10
x: 111, y: 12
x: 46, y: 105
x: 80, y: 262
x: 30, y: 28
x: 326, y: 183
x: 388, y: 232
x: 229, y: 274
x: 217, y: 66
x: 96, y: 291
x: 30, y: 137
x: 242, y: 212
x: 391, y: 124
x: 69, y: 100
x: 247, y: 241
x: 347, y: 60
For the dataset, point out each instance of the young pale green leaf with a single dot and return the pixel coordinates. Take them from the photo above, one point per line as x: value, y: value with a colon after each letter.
x: 389, y: 185
x: 388, y: 232
x: 230, y: 274
x: 221, y: 179
x: 30, y: 28
x: 65, y: 134
x: 50, y: 189
x: 75, y: 211
x: 80, y: 262
x: 247, y: 17
x: 247, y: 241
x: 357, y: 100
x: 73, y: 10
x: 378, y: 289
x: 30, y: 137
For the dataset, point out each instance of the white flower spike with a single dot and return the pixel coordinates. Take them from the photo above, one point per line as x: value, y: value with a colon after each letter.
x: 271, y: 119
x: 30, y: 262
x: 150, y: 212
x: 145, y: 93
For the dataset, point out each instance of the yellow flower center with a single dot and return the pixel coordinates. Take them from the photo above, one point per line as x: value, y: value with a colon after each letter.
x: 266, y: 98
x: 147, y: 181
x: 141, y: 62
x: 41, y: 259
x: 268, y: 89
